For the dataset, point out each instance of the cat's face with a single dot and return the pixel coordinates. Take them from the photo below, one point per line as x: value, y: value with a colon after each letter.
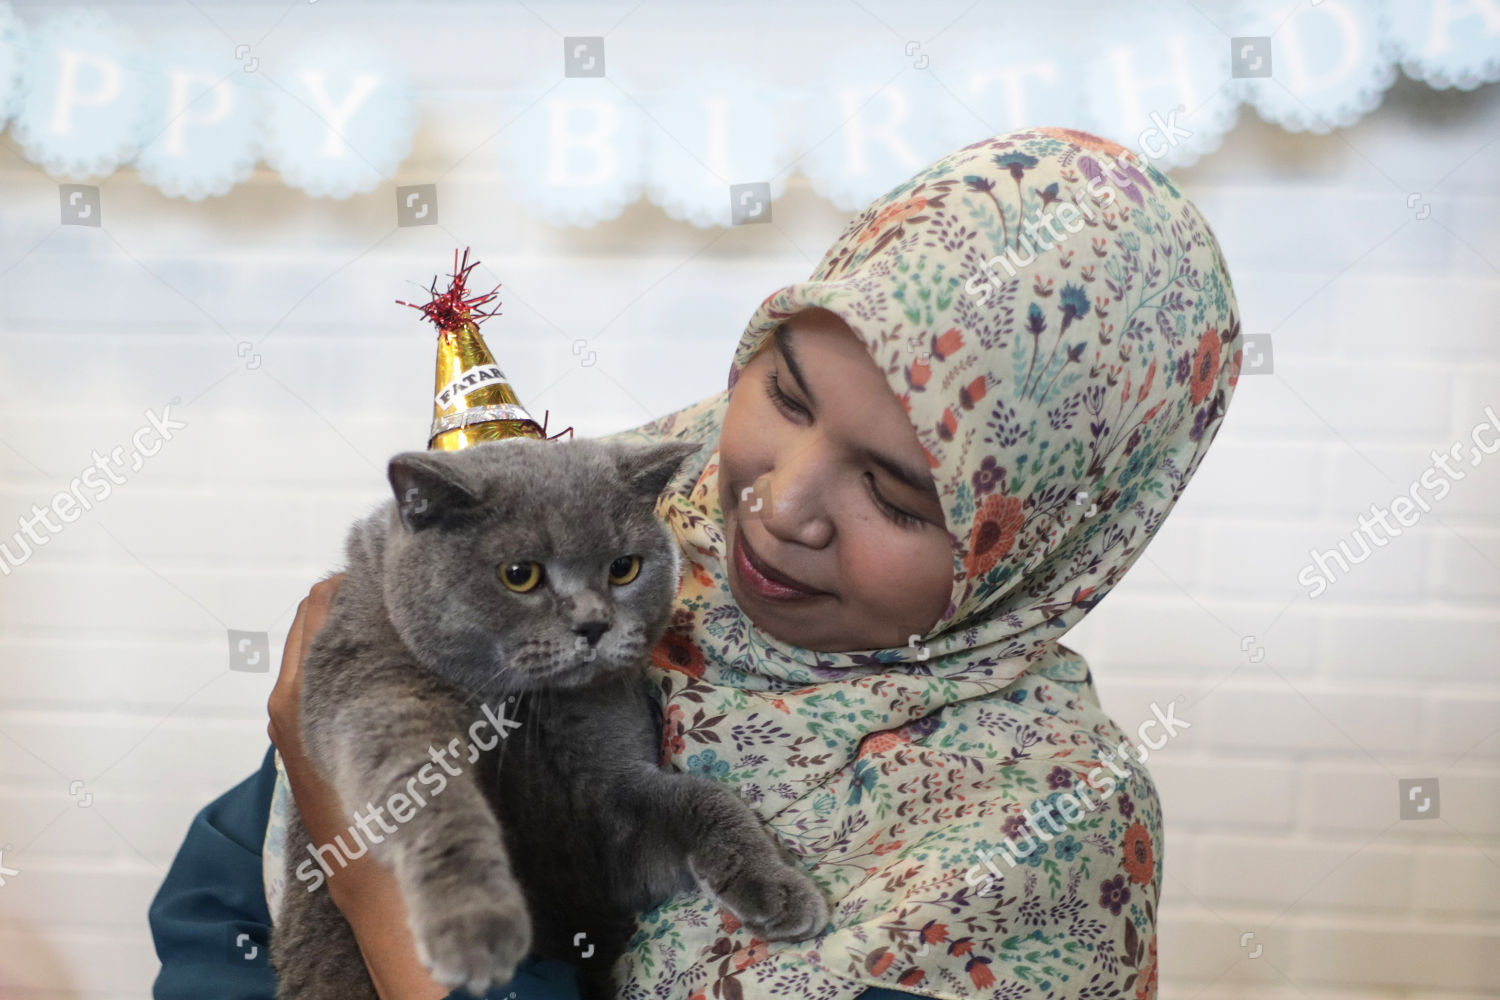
x: 524, y: 564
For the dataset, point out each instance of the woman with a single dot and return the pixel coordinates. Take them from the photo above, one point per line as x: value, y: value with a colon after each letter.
x: 931, y: 460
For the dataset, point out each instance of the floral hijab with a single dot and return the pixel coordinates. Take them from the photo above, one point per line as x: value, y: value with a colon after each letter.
x: 1062, y: 408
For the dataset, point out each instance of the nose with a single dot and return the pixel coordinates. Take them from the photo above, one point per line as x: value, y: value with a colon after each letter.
x: 799, y: 486
x: 591, y: 630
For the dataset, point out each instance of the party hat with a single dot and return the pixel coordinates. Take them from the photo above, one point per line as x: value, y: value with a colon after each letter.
x: 473, y: 399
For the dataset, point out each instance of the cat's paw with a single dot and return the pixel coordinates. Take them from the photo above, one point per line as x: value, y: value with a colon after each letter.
x: 475, y: 942
x: 777, y: 902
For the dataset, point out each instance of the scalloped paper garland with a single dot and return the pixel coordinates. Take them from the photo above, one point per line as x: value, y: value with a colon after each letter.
x: 204, y: 139
x: 337, y: 120
x: 87, y: 95
x: 12, y: 56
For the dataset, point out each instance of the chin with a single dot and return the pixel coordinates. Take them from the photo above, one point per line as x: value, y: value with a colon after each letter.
x: 769, y: 627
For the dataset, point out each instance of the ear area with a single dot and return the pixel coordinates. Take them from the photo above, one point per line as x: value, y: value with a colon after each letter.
x: 648, y: 468
x: 428, y: 490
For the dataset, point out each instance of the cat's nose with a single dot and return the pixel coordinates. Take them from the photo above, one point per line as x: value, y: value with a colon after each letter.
x: 592, y: 630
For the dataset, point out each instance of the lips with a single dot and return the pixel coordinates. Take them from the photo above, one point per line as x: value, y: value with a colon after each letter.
x: 758, y: 566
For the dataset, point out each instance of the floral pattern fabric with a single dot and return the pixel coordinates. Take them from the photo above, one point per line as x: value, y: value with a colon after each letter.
x: 1058, y: 321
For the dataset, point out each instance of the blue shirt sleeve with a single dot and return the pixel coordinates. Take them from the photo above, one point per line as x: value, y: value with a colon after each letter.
x: 209, y: 918
x: 212, y: 930
x: 210, y: 923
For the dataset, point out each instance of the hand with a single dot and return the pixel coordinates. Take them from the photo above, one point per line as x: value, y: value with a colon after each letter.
x: 317, y: 802
x: 365, y: 892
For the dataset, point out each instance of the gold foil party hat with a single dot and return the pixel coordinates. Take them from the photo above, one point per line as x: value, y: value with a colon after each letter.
x: 473, y: 400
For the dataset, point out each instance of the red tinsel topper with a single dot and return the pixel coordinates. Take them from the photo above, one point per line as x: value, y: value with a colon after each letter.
x: 450, y: 310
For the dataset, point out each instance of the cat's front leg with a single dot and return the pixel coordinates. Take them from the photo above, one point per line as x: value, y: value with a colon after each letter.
x: 726, y: 849
x: 392, y: 755
x: 468, y: 913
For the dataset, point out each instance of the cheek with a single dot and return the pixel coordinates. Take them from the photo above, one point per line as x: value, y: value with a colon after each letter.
x: 895, y: 568
x: 732, y: 442
x: 745, y: 439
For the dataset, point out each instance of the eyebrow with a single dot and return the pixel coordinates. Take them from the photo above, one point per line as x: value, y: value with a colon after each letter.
x: 903, y: 473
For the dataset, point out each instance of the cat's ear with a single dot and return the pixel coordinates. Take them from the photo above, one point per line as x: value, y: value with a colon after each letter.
x: 648, y: 468
x: 428, y: 490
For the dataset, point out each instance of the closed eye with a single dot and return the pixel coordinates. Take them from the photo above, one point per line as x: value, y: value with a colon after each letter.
x: 895, y: 513
x: 783, y: 402
x: 793, y: 408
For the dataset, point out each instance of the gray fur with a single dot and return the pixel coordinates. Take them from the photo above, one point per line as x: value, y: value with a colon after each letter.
x: 569, y: 826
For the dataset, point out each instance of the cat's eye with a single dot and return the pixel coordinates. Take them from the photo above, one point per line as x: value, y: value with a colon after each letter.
x: 624, y: 569
x: 521, y: 576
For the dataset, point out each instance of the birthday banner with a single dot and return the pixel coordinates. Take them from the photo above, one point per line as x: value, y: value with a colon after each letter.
x: 83, y: 97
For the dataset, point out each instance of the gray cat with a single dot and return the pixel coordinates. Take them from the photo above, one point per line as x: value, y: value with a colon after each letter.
x: 479, y: 680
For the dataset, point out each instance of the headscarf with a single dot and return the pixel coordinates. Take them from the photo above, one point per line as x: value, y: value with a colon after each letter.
x: 1062, y: 410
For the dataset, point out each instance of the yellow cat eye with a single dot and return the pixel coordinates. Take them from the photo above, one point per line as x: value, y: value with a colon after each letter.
x: 521, y: 576
x: 624, y: 569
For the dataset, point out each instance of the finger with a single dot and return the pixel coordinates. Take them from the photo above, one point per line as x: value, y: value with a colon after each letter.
x: 318, y: 600
x: 291, y: 653
x: 311, y: 612
x: 284, y: 689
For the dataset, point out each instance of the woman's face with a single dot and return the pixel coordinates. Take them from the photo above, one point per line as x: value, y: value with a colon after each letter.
x: 809, y: 482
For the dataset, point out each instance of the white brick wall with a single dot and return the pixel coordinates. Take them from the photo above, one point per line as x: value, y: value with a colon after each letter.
x: 1282, y: 817
x: 1281, y: 800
